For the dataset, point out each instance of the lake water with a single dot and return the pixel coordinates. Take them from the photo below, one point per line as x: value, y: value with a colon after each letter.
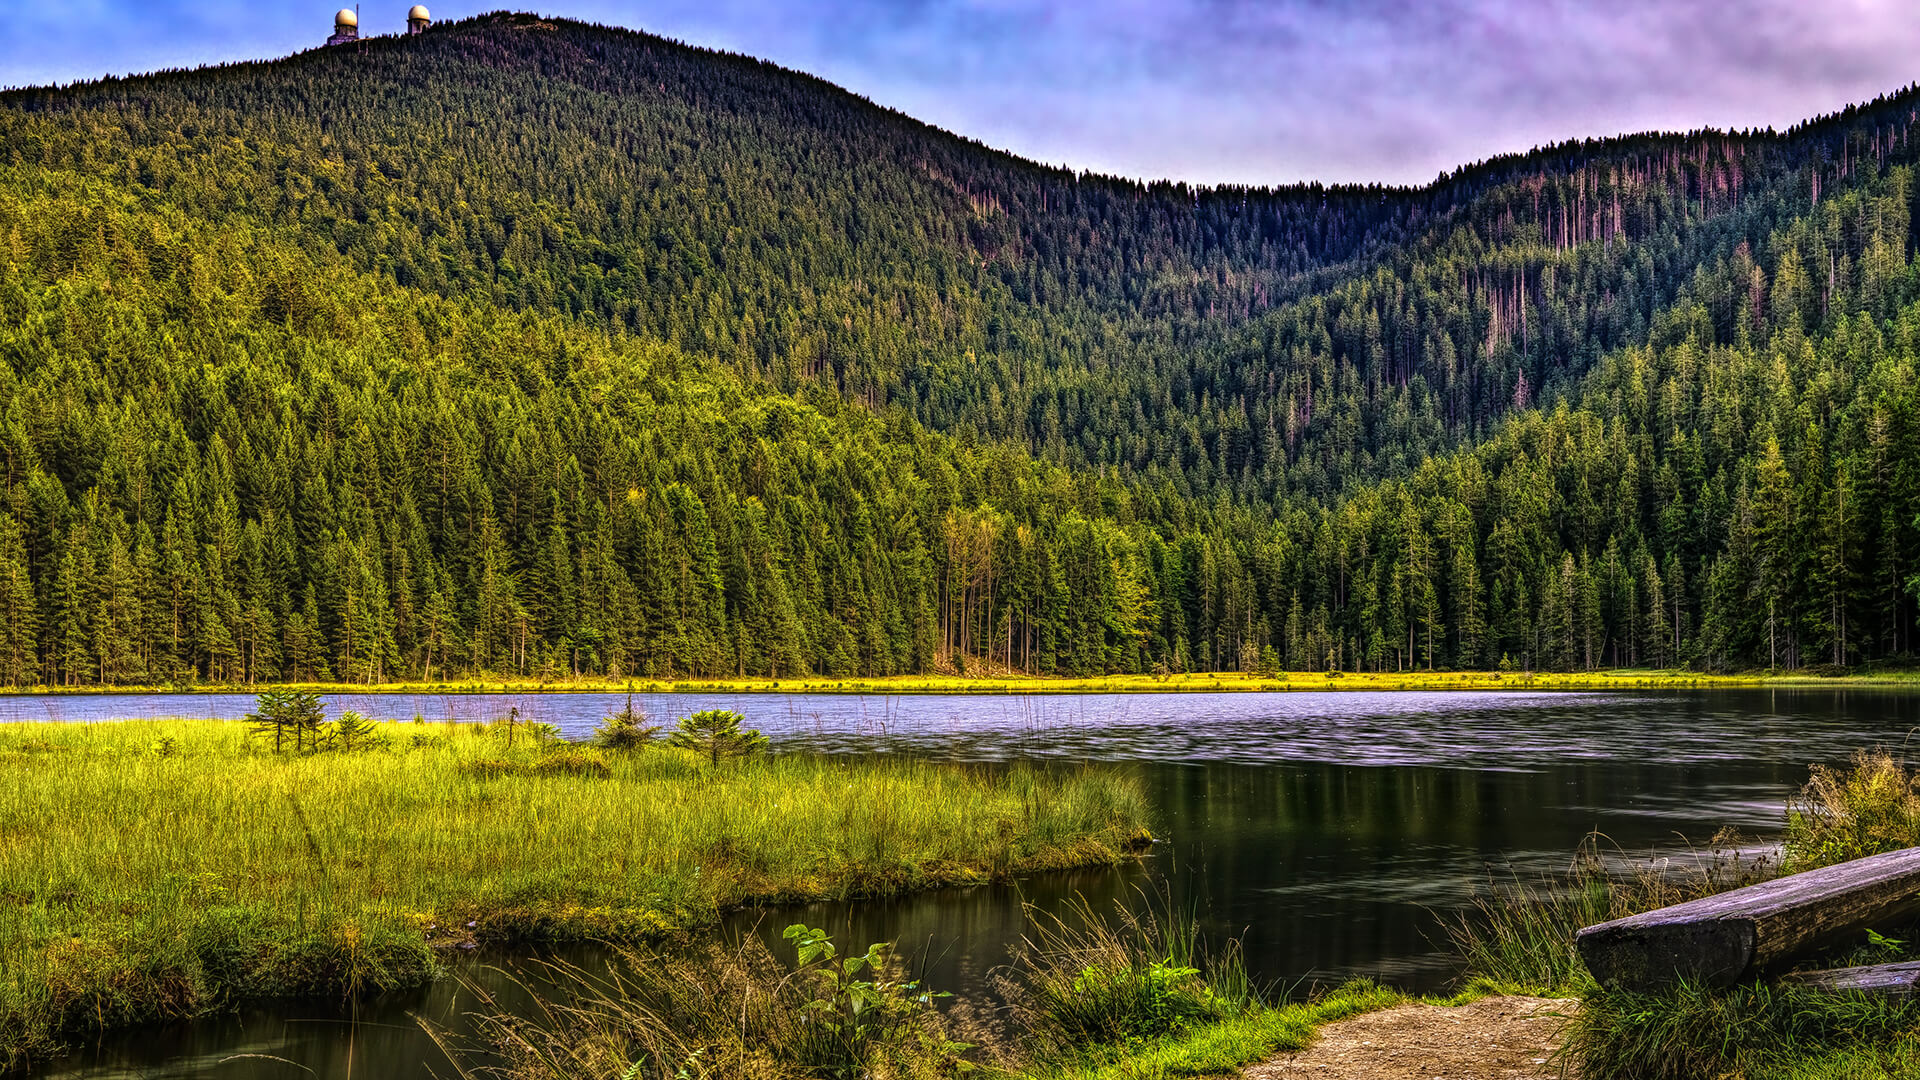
x: 1330, y: 832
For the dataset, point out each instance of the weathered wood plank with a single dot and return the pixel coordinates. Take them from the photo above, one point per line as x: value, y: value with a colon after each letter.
x: 1877, y: 980
x: 1720, y: 940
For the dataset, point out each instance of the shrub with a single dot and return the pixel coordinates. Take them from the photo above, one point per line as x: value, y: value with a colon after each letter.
x: 716, y: 733
x: 625, y: 730
x: 354, y: 732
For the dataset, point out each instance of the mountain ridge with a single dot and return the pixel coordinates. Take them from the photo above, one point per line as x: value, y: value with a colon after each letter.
x: 1054, y: 425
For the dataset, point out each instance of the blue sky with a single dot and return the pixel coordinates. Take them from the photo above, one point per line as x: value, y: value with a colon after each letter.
x: 1243, y: 91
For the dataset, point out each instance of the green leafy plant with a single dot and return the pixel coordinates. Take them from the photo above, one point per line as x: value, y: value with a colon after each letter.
x: 716, y: 733
x: 858, y: 1012
x: 1890, y: 946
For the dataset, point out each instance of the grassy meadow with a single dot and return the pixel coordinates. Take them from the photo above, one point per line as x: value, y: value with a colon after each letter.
x: 160, y: 869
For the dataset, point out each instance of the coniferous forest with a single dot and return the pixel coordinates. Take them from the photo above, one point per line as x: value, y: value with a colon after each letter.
x: 528, y: 347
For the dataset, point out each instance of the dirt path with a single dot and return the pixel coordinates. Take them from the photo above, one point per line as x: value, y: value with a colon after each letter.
x: 1498, y: 1038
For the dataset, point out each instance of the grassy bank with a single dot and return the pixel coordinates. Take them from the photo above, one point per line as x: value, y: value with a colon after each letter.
x: 159, y: 869
x: 1522, y: 940
x: 1192, y: 682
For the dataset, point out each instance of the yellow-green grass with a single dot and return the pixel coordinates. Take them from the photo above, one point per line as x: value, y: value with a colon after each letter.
x: 153, y: 869
x: 1221, y: 1048
x: 1192, y: 682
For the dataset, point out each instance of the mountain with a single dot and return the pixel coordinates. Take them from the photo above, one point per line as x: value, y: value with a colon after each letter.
x: 530, y: 346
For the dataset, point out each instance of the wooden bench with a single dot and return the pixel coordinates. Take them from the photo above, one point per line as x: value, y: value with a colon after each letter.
x: 1721, y: 940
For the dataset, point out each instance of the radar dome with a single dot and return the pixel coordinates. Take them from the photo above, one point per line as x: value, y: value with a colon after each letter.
x: 346, y: 18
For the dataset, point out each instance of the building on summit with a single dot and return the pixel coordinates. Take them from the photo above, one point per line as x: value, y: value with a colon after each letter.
x: 346, y: 27
x: 346, y: 24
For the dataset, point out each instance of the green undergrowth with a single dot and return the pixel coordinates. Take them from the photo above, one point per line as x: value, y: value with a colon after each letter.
x: 153, y: 870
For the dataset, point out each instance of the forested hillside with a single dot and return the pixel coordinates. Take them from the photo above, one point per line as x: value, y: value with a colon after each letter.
x: 532, y: 347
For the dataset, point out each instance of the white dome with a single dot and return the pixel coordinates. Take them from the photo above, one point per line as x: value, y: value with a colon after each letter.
x: 419, y: 11
x: 346, y: 18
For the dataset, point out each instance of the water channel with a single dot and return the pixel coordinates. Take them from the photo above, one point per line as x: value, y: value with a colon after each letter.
x: 1329, y: 832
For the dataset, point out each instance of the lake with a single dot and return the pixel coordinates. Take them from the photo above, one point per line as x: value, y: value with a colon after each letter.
x: 1330, y: 832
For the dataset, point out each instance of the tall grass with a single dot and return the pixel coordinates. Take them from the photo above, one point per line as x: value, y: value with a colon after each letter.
x: 158, y: 869
x: 1843, y: 814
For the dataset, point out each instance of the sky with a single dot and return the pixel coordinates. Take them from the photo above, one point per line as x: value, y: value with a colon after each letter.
x: 1207, y: 91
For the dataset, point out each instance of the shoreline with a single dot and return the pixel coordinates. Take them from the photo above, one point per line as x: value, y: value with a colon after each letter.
x: 1199, y: 683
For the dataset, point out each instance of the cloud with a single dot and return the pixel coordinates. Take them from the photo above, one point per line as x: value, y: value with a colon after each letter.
x: 1252, y: 91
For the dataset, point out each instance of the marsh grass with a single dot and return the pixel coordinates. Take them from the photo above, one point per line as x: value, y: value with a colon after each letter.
x: 1015, y: 683
x: 1220, y: 1049
x: 140, y: 884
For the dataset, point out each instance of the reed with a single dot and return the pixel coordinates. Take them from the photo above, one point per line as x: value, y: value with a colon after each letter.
x: 159, y: 869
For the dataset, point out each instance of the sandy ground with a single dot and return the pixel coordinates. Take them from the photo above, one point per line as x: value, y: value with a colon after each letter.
x: 1499, y: 1038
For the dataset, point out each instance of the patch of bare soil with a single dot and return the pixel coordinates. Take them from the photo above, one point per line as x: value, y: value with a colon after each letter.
x: 1497, y: 1038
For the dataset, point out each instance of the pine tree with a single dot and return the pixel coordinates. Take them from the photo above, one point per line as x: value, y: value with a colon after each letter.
x: 19, y: 609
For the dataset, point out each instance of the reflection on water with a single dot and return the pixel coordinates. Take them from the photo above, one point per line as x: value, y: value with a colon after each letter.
x: 1329, y: 831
